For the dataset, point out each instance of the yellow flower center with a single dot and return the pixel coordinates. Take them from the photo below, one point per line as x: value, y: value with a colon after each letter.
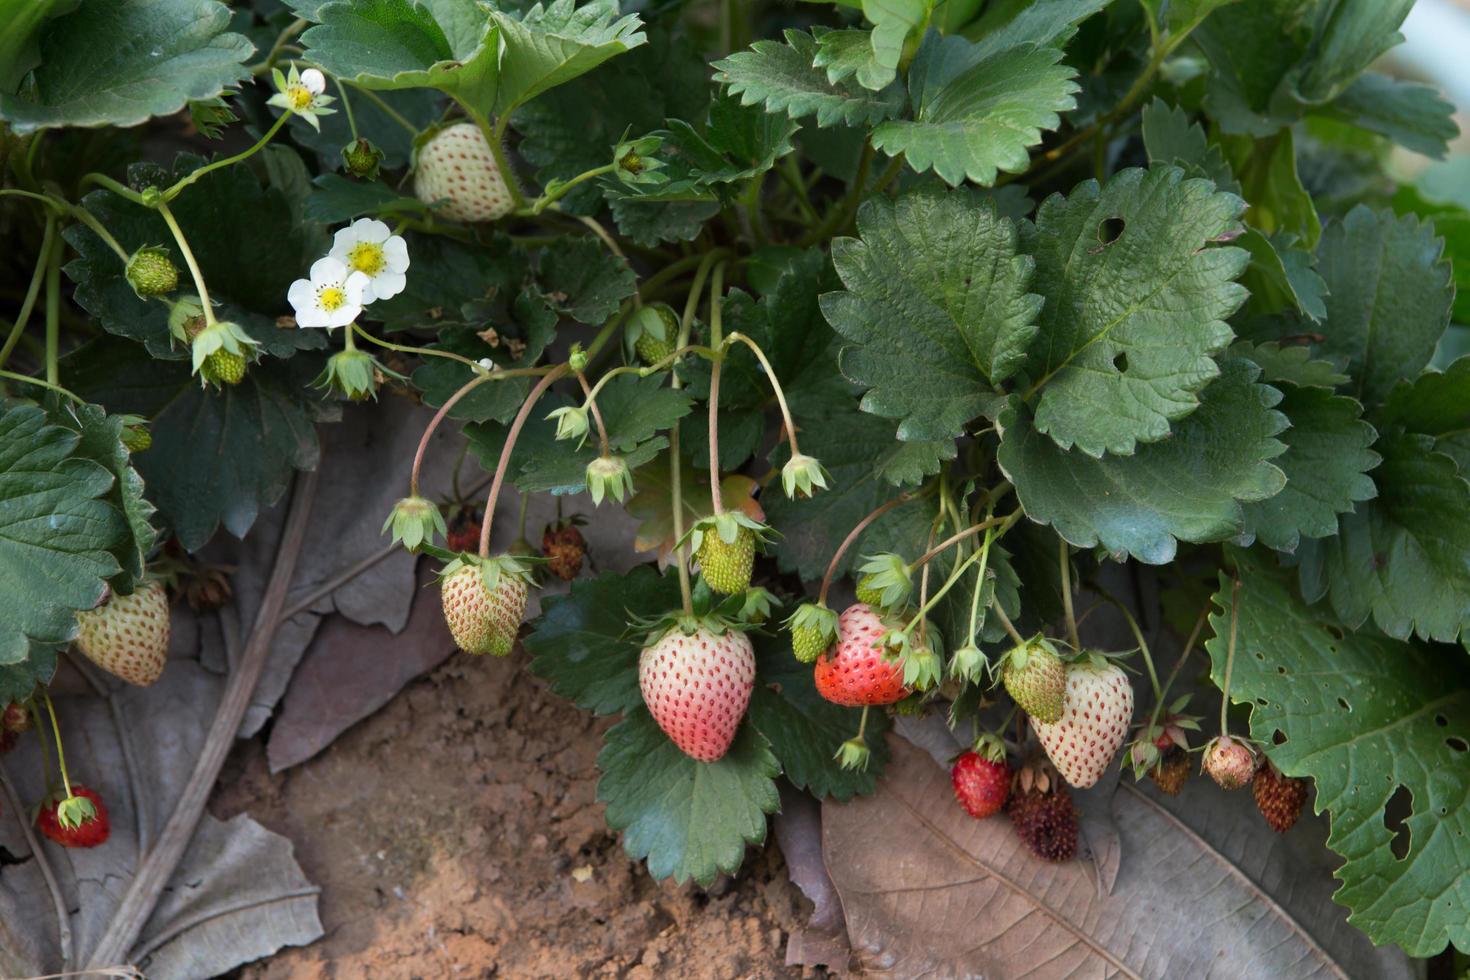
x: 367, y: 257
x: 299, y: 96
x: 332, y: 298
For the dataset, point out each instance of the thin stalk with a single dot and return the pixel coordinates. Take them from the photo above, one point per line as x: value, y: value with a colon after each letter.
x: 53, y: 313
x: 1066, y: 570
x: 48, y: 385
x: 1148, y: 659
x: 1199, y: 625
x: 838, y: 217
x: 449, y: 403
x: 385, y: 108
x: 790, y: 173
x: 245, y: 154
x: 60, y: 752
x: 121, y: 190
x: 1005, y: 622
x: 596, y: 414
x: 559, y: 190
x: 955, y: 539
x: 760, y: 355
x: 33, y: 291
x: 716, y: 305
x: 980, y: 583
x: 287, y: 33
x: 450, y: 355
x: 203, y: 290
x: 1229, y: 658
x: 607, y: 239
x: 347, y: 108
x: 676, y: 469
x: 493, y: 136
x: 993, y: 533
x: 852, y: 536
x: 90, y: 220
x: 510, y: 444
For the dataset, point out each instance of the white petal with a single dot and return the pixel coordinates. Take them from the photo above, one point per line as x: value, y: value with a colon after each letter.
x: 327, y: 271
x: 395, y: 250
x: 370, y: 230
x: 344, y: 315
x: 355, y: 285
x: 314, y: 80
x: 387, y: 285
x: 342, y: 243
x: 311, y: 317
x: 302, y: 296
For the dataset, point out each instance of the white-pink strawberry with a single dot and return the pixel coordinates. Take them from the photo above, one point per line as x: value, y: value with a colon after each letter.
x: 697, y: 686
x: 1228, y: 761
x: 484, y: 618
x: 456, y: 166
x: 1095, y: 717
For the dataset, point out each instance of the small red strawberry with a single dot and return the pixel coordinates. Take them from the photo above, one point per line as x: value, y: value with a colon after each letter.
x: 981, y: 784
x: 854, y: 671
x: 457, y: 166
x: 484, y: 601
x: 464, y: 532
x: 1279, y: 797
x: 1229, y: 761
x: 128, y: 634
x: 78, y: 821
x: 1046, y: 822
x: 697, y: 686
x: 564, y: 548
x: 1094, y: 722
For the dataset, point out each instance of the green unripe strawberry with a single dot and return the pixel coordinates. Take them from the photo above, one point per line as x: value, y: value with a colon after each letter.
x: 1036, y: 678
x: 150, y: 272
x: 650, y: 349
x: 868, y: 593
x: 136, y: 438
x: 813, y: 629
x: 807, y: 643
x: 223, y: 368
x: 726, y: 565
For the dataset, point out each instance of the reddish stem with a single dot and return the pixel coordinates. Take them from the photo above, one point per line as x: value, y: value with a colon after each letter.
x: 852, y: 536
x: 510, y: 445
x: 596, y: 414
x: 418, y: 456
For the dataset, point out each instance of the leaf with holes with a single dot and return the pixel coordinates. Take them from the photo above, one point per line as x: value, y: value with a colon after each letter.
x: 1368, y: 719
x: 1137, y: 293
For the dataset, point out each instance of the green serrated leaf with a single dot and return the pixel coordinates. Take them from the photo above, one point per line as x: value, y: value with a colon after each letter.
x: 337, y: 198
x: 976, y: 114
x: 688, y: 819
x: 1362, y: 716
x: 1389, y: 298
x: 1401, y: 558
x: 783, y: 78
x: 195, y: 472
x: 120, y: 62
x: 1267, y: 170
x: 936, y: 309
x: 1291, y: 363
x: 1414, y: 116
x: 849, y: 54
x: 893, y: 22
x: 1326, y: 463
x: 1281, y: 278
x: 463, y: 276
x: 1136, y: 302
x: 649, y: 223
x: 1053, y: 23
x: 581, y: 643
x: 1436, y: 404
x: 19, y: 51
x: 58, y: 534
x: 556, y: 42
x: 18, y: 680
x: 584, y: 280
x: 1171, y: 138
x: 1189, y: 487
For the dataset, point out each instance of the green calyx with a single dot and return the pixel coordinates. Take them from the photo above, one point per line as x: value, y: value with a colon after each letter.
x: 352, y: 373
x: 802, y: 476
x: 990, y: 747
x: 853, y: 754
x: 651, y: 332
x: 222, y: 336
x: 151, y: 273
x: 608, y: 476
x: 362, y: 159
x: 494, y: 569
x: 919, y: 654
x: 886, y: 581
x: 74, y: 811
x: 571, y: 423
x: 415, y: 521
x: 969, y: 663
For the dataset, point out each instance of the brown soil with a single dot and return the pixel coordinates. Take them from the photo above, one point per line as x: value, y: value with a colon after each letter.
x: 456, y: 833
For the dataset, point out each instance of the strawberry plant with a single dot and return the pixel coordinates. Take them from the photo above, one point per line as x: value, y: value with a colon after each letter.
x: 902, y: 332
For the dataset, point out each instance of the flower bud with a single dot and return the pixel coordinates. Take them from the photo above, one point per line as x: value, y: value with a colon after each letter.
x: 608, y: 476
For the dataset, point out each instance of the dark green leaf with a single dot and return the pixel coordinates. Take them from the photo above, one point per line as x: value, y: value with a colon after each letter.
x: 584, y: 280
x: 649, y: 223
x: 1172, y: 139
x: 1290, y: 363
x: 936, y: 309
x: 531, y: 323
x: 1437, y: 404
x: 1188, y: 487
x: 1413, y: 116
x: 1388, y: 301
x: 1136, y: 302
x: 339, y: 198
x: 689, y: 819
x: 460, y: 274
x: 784, y: 79
x: 1364, y: 717
x: 119, y: 62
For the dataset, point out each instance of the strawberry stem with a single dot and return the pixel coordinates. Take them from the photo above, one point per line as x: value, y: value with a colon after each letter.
x: 1005, y: 622
x: 716, y: 310
x: 1065, y: 566
x: 955, y: 539
x: 676, y: 474
x: 1199, y: 624
x: 760, y: 355
x: 33, y: 291
x: 510, y: 445
x: 959, y: 570
x: 1148, y: 659
x: 450, y: 355
x: 596, y: 414
x: 53, y: 314
x: 450, y: 402
x: 1229, y: 658
x: 980, y: 582
x: 189, y: 260
x: 852, y: 536
x: 60, y: 752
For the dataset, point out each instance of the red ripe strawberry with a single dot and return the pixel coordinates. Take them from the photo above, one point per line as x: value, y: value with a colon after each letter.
x: 1046, y: 822
x: 1279, y: 797
x: 484, y: 602
x: 128, y: 634
x: 456, y: 166
x: 697, y: 686
x: 1095, y: 717
x: 464, y: 532
x: 53, y: 819
x: 853, y: 672
x: 1229, y: 762
x: 981, y: 785
x: 564, y: 549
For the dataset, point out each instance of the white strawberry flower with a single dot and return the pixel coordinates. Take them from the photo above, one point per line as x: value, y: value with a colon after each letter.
x: 301, y: 92
x: 331, y: 297
x: 368, y: 246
